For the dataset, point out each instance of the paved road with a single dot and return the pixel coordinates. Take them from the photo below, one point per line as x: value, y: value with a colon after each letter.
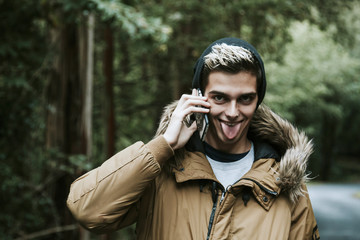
x: 337, y: 210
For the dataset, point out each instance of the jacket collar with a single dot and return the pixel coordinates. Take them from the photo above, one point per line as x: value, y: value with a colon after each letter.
x: 195, y: 166
x: 262, y: 179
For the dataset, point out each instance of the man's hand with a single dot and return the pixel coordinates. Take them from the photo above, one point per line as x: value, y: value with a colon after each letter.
x: 178, y: 134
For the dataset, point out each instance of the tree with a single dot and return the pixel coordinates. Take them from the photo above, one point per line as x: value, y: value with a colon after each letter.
x: 316, y: 87
x: 69, y: 119
x: 109, y: 75
x: 21, y: 125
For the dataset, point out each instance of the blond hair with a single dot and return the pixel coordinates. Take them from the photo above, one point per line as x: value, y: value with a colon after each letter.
x: 232, y: 59
x: 225, y: 55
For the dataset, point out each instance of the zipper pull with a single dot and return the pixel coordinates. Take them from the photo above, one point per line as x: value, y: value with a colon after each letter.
x: 222, y: 196
x: 224, y: 192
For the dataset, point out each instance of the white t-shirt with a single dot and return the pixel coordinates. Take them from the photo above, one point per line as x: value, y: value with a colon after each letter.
x: 229, y: 172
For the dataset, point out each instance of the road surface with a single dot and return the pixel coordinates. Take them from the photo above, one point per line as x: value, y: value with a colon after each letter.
x: 337, y: 210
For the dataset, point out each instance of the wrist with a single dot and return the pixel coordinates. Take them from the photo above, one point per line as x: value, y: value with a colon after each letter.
x: 160, y: 149
x: 169, y: 141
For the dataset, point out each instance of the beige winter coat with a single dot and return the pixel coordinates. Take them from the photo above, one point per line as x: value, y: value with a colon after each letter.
x: 187, y: 202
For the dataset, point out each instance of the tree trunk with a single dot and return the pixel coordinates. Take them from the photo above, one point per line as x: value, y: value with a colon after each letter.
x: 108, y: 70
x: 70, y: 102
x: 86, y: 69
x: 109, y: 76
x: 63, y: 85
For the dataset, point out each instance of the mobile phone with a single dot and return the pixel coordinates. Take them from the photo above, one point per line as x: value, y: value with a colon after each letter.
x: 202, y: 121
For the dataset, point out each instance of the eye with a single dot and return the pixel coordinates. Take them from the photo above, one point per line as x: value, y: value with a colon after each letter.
x: 219, y: 98
x: 247, y: 98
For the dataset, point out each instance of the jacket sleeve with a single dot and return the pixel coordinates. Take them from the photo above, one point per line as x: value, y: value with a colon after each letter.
x: 105, y: 198
x: 303, y: 223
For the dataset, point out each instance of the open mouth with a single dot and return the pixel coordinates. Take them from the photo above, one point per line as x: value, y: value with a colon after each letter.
x: 230, y: 124
x: 230, y: 129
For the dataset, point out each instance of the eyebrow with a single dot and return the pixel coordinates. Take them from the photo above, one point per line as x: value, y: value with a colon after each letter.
x: 214, y: 92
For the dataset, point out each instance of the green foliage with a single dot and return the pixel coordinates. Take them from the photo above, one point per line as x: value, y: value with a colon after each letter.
x: 315, y: 70
x: 155, y: 47
x: 317, y: 83
x: 21, y: 54
x: 133, y: 22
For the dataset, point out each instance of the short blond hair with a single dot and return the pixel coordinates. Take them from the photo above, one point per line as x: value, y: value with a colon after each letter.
x: 224, y: 55
x: 232, y: 59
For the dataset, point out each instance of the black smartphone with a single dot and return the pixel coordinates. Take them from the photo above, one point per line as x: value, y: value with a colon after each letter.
x: 202, y: 120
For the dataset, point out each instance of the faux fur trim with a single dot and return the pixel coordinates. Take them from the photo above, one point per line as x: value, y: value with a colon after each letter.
x: 164, y: 123
x: 165, y: 118
x: 293, y: 145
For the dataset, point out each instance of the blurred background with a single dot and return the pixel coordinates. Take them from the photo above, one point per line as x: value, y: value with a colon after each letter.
x: 81, y: 80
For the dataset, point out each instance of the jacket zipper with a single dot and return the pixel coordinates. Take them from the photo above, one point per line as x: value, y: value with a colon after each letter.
x: 213, y: 211
x: 215, y: 200
x: 223, y: 194
x: 211, y: 219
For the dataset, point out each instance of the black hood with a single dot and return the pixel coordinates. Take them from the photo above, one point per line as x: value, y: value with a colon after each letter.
x: 199, y: 65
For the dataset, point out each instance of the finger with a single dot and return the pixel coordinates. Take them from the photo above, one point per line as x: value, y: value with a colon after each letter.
x: 196, y: 102
x: 189, y: 107
x: 182, y: 109
x: 186, y: 97
x: 180, y: 115
x: 192, y: 109
x: 194, y: 92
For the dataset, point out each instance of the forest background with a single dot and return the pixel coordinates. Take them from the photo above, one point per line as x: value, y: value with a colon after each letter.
x: 81, y: 80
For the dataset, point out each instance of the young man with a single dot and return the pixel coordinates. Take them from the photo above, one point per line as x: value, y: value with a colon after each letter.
x: 246, y: 180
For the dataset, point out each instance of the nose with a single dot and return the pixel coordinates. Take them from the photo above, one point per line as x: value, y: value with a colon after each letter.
x: 232, y: 110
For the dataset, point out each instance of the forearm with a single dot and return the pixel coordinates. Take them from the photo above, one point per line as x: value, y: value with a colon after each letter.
x: 105, y: 195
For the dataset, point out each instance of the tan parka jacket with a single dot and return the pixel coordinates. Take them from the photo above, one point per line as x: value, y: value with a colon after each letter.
x: 177, y: 196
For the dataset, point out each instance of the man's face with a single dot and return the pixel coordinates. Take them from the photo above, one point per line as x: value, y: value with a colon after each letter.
x: 233, y: 99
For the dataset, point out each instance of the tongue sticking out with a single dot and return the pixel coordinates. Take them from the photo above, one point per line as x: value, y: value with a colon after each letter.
x: 230, y: 131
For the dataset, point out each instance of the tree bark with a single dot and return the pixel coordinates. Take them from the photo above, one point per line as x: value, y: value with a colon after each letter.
x: 108, y: 70
x: 63, y: 86
x: 109, y: 96
x: 70, y: 102
x: 86, y: 63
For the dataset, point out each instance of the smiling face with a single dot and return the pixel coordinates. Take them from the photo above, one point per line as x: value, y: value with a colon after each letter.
x: 233, y: 99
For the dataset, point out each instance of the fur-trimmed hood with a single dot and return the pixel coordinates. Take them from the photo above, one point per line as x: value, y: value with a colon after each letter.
x: 293, y: 146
